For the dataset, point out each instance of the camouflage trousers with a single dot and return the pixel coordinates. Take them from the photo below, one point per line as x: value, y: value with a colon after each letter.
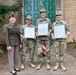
x: 28, y: 45
x: 60, y: 49
x: 39, y: 50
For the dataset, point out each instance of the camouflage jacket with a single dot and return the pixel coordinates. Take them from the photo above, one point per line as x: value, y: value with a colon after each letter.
x: 46, y: 20
x: 67, y: 31
x: 22, y: 31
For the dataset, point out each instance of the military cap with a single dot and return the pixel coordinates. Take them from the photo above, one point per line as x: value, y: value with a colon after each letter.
x: 29, y: 17
x: 59, y: 13
x: 42, y: 10
x: 12, y: 15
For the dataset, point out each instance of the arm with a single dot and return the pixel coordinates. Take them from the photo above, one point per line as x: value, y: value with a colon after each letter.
x: 6, y: 35
x: 19, y: 35
x: 67, y: 30
x: 50, y: 28
x: 36, y: 29
x: 52, y: 32
x: 22, y: 33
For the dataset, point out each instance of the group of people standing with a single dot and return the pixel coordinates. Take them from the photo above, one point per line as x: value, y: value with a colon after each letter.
x: 14, y: 37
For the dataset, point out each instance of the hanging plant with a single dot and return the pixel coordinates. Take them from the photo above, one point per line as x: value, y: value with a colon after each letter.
x: 5, y: 9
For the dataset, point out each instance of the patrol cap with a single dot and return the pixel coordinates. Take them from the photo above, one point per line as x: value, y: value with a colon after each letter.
x: 42, y: 10
x: 29, y: 17
x: 59, y: 13
x: 12, y: 15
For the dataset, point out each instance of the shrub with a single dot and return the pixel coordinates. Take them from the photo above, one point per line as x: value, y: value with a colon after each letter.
x: 74, y: 43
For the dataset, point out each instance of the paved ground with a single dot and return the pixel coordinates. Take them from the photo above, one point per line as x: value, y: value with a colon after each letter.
x: 70, y: 63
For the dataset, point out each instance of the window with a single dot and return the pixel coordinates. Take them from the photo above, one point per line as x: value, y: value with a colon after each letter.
x: 59, y: 5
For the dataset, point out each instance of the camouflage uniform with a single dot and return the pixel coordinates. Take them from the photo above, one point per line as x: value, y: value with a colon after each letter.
x: 43, y: 39
x: 60, y: 45
x: 28, y: 44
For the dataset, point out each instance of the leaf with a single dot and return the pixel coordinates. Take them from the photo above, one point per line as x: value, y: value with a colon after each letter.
x: 74, y: 40
x: 5, y: 9
x: 74, y: 43
x: 1, y: 51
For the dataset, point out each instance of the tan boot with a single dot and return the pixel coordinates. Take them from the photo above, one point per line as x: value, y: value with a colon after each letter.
x: 22, y: 66
x: 39, y: 66
x: 32, y: 65
x: 56, y: 66
x: 62, y: 66
x: 47, y: 66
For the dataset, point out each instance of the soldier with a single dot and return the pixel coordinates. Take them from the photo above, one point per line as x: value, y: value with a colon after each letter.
x: 60, y: 44
x: 28, y: 44
x: 43, y: 40
x: 13, y: 41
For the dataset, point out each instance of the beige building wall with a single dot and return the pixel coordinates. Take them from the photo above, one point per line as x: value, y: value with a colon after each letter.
x: 68, y: 7
x: 8, y: 2
x: 70, y: 16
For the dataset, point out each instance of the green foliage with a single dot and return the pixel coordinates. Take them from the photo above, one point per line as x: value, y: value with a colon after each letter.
x: 74, y: 43
x: 5, y: 9
x: 1, y: 51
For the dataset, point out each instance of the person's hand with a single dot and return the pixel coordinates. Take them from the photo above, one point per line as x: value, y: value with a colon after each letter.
x: 9, y: 48
x: 48, y: 34
x: 20, y: 45
x: 53, y: 37
x: 36, y: 34
x: 23, y: 38
x: 65, y: 37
